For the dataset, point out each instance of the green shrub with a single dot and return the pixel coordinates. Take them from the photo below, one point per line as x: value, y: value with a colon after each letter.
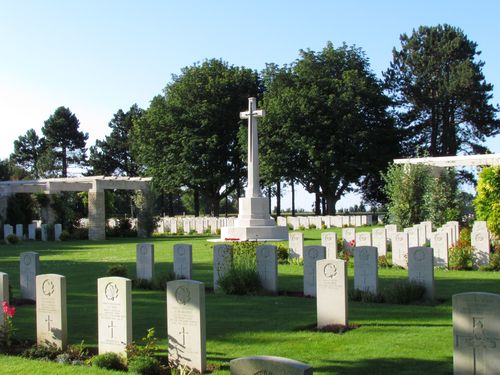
x: 142, y: 284
x: 144, y: 365
x: 283, y: 254
x: 364, y: 296
x: 323, y: 226
x: 487, y: 201
x: 240, y: 280
x: 494, y: 264
x: 110, y: 361
x: 160, y: 281
x: 383, y: 262
x: 465, y: 234
x: 404, y: 292
x: 301, y: 227
x: 461, y: 256
x: 12, y: 239
x: 45, y: 352
x: 117, y: 270
x: 65, y: 236
x: 312, y: 226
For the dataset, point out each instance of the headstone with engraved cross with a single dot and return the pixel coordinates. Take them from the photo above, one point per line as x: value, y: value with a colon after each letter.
x: 480, y: 241
x: 267, y: 267
x: 296, y: 244
x: 311, y: 255
x: 476, y: 334
x: 421, y: 268
x: 366, y: 269
x: 29, y: 268
x: 186, y: 324
x: 183, y: 261
x: 329, y: 241
x: 51, y: 314
x: 223, y: 259
x: 400, y: 249
x: 145, y: 261
x: 114, y: 311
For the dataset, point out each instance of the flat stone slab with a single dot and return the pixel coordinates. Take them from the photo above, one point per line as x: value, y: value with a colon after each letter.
x: 268, y: 365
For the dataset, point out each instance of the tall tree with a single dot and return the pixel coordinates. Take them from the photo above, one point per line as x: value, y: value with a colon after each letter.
x: 440, y: 93
x: 332, y: 112
x: 113, y: 155
x: 28, y: 151
x: 64, y: 141
x: 189, y: 136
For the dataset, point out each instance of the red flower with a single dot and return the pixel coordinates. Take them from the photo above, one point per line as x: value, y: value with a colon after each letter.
x: 352, y: 243
x: 10, y: 311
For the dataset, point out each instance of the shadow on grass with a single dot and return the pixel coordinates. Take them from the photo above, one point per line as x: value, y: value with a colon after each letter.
x: 385, y: 366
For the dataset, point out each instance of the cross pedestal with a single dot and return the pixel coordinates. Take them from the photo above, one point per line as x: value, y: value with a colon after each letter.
x: 254, y: 221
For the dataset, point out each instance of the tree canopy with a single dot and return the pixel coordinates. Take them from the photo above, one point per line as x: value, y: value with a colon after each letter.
x: 65, y: 143
x: 440, y: 94
x: 189, y: 136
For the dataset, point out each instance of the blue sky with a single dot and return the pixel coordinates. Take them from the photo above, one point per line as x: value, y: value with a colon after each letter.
x: 96, y: 57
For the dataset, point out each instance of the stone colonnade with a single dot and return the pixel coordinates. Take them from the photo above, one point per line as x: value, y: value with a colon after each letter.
x: 95, y: 186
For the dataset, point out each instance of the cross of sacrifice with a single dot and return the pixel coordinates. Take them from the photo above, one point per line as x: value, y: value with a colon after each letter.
x: 478, y: 342
x: 48, y: 320
x: 253, y: 146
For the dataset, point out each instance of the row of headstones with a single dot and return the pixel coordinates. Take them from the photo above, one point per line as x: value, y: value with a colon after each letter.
x: 338, y: 221
x: 9, y: 229
x: 186, y: 323
x: 475, y: 315
x: 188, y: 224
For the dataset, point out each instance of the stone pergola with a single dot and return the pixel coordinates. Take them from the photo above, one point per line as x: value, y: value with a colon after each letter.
x: 95, y: 187
x: 454, y: 161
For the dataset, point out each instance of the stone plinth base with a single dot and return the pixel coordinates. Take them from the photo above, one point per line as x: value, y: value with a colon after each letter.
x: 254, y: 212
x: 256, y: 233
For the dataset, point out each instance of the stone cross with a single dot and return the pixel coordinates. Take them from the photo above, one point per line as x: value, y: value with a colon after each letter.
x: 253, y: 148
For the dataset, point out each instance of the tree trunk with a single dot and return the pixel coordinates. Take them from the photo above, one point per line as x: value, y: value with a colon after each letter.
x: 170, y: 204
x: 216, y: 205
x: 323, y: 205
x: 330, y: 205
x: 278, y: 198
x: 269, y: 192
x: 196, y: 196
x: 293, y: 197
x: 64, y: 163
x: 317, y: 201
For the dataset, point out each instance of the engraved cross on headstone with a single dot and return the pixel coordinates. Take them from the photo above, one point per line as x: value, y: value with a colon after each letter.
x: 253, y: 147
x: 48, y: 320
x: 183, y: 333
x: 478, y: 342
x: 111, y: 326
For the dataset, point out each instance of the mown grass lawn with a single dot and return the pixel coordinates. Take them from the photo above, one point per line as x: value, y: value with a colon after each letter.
x: 391, y: 339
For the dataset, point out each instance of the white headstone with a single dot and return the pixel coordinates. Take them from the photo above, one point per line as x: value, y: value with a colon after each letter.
x: 480, y: 241
x: 366, y: 269
x: 186, y: 324
x: 44, y: 231
x: 183, y: 261
x: 199, y: 226
x: 267, y: 267
x: 421, y: 268
x: 439, y: 242
x: 51, y: 313
x: 173, y: 225
x: 114, y: 311
x: 145, y: 261
x: 422, y: 234
x: 331, y: 299
x: 428, y: 229
x: 412, y: 236
x: 296, y: 244
x: 57, y: 232
x: 32, y: 231
x: 223, y: 258
x: 379, y: 240
x: 29, y: 268
x: 19, y: 231
x: 363, y: 239
x: 479, y: 224
x: 400, y: 249
x: 263, y: 365
x: 329, y: 241
x: 7, y: 230
x: 348, y: 238
x: 4, y: 292
x: 311, y: 255
x: 391, y: 230
x: 476, y: 334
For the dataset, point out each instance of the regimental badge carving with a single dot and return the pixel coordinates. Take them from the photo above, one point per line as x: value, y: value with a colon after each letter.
x: 143, y: 249
x: 419, y: 255
x: 48, y: 287
x: 182, y: 295
x: 363, y: 255
x: 111, y: 291
x: 330, y: 271
x: 479, y: 237
x: 329, y: 238
x: 27, y: 260
x: 265, y: 252
x: 181, y: 252
x: 313, y: 253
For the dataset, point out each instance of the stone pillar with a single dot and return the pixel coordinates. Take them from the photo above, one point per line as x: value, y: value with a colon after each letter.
x: 48, y: 213
x: 97, y: 217
x: 145, y: 214
x: 4, y: 199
